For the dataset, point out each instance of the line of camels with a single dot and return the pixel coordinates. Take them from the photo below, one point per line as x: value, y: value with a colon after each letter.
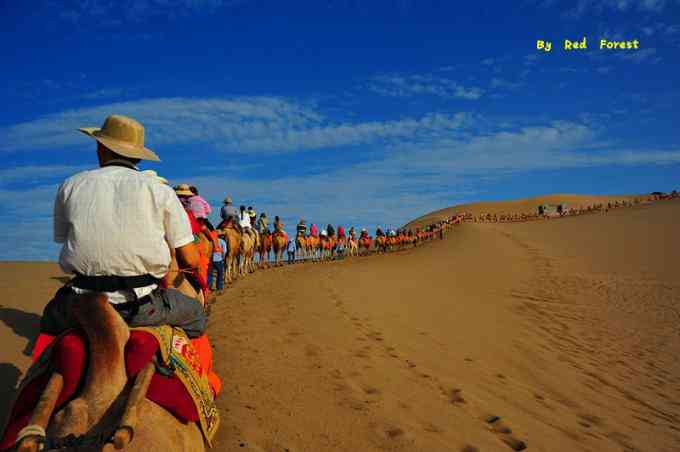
x: 248, y: 251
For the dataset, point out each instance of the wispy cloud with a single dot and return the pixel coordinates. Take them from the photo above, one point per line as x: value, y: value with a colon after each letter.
x: 36, y: 174
x: 415, y: 85
x: 113, y: 13
x: 256, y: 124
x: 416, y: 174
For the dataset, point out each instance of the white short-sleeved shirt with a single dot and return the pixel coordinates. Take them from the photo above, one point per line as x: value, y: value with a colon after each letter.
x: 117, y: 221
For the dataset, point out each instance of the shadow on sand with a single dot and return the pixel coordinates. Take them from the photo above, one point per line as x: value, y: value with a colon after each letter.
x: 61, y: 279
x: 24, y: 324
x: 9, y: 377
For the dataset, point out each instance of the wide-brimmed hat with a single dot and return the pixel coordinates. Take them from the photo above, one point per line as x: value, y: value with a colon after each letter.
x: 122, y: 135
x: 228, y: 200
x: 183, y: 190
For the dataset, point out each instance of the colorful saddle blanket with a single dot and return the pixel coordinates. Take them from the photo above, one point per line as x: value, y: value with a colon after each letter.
x: 180, y: 384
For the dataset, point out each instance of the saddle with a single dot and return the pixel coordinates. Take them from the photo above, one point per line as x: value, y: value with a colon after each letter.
x: 183, y: 382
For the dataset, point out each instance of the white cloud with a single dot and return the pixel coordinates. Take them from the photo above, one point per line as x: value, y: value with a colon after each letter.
x: 640, y: 56
x: 415, y: 85
x: 36, y: 173
x: 259, y: 124
x: 623, y: 6
x: 413, y: 176
x: 113, y: 13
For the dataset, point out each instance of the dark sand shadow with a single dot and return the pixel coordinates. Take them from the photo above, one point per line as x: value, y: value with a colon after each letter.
x: 9, y: 377
x: 24, y: 324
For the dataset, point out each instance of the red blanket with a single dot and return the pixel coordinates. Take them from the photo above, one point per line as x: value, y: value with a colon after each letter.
x: 69, y: 358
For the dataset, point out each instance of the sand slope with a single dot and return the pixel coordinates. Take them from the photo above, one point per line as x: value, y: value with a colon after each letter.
x: 567, y: 329
x: 528, y: 205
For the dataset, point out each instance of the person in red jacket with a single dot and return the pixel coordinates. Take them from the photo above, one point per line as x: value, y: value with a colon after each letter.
x: 341, y: 232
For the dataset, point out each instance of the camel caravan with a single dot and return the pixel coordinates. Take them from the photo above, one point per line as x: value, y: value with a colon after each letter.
x: 548, y: 211
x: 122, y: 360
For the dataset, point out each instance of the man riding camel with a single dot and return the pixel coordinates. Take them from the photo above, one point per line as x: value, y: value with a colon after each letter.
x: 244, y: 222
x: 278, y: 224
x: 263, y: 224
x: 302, y: 228
x: 330, y: 230
x: 253, y: 216
x: 314, y: 230
x: 118, y: 227
x: 229, y: 213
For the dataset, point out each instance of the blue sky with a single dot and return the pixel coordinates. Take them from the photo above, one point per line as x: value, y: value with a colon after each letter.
x: 348, y: 112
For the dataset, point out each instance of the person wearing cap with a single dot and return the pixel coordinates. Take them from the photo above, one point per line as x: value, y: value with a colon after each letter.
x: 229, y: 212
x: 117, y: 227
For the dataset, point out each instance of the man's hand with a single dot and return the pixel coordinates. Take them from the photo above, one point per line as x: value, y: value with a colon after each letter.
x: 187, y: 256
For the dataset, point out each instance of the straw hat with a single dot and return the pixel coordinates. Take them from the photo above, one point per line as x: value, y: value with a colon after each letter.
x: 122, y: 135
x: 155, y: 175
x: 228, y: 200
x: 183, y: 190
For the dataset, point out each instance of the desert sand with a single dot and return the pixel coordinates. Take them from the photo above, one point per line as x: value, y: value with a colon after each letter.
x: 568, y: 330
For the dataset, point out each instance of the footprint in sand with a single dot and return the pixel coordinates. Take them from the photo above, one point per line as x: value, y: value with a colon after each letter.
x: 504, y: 433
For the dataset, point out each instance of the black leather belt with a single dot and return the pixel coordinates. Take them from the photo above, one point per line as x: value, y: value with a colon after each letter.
x: 112, y: 283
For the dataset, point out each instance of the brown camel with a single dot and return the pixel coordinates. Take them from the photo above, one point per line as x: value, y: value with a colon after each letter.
x: 233, y: 238
x: 107, y: 402
x: 279, y: 244
x: 248, y: 246
x: 264, y: 248
x: 301, y: 244
x: 365, y: 243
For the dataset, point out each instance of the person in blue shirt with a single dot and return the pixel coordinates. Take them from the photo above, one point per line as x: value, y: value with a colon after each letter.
x: 291, y: 251
x: 218, y: 258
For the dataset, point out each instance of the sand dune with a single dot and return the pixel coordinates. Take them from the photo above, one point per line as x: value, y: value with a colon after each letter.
x: 528, y: 205
x: 567, y: 330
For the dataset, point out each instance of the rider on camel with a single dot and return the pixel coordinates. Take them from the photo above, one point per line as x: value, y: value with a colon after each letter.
x: 364, y: 233
x: 253, y: 216
x: 244, y: 221
x: 341, y: 232
x: 302, y: 228
x: 379, y: 232
x: 314, y: 230
x: 122, y: 256
x: 229, y: 213
x: 278, y: 224
x: 330, y: 230
x: 263, y: 224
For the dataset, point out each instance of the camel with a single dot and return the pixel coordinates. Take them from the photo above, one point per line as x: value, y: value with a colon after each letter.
x: 301, y: 244
x: 279, y: 244
x: 365, y: 244
x: 264, y: 248
x: 233, y: 238
x: 381, y: 243
x: 108, y: 402
x: 312, y: 246
x: 248, y: 246
x: 352, y: 246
